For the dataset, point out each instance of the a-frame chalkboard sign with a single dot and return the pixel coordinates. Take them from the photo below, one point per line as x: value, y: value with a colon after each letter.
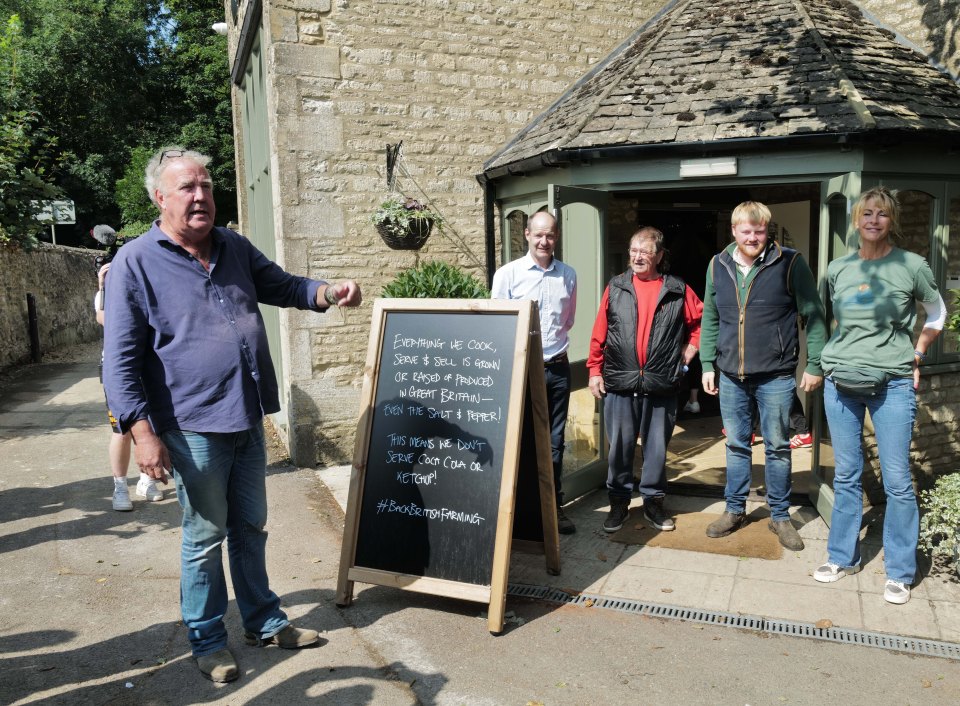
x: 453, y: 398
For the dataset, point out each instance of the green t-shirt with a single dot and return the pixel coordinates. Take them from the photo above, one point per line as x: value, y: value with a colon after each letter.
x: 874, y: 303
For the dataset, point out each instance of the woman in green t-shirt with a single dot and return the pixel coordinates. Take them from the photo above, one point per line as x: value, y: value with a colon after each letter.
x: 874, y: 293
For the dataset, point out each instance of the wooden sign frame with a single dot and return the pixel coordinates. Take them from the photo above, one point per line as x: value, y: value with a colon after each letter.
x: 527, y: 384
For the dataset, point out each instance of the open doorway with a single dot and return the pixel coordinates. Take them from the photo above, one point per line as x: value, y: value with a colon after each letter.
x: 696, y: 226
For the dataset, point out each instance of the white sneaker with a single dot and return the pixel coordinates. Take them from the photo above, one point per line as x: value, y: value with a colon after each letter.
x: 896, y: 592
x: 692, y: 407
x: 828, y: 573
x: 147, y: 488
x: 121, y: 498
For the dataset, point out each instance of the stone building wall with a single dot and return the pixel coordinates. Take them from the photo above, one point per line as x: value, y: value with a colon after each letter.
x: 63, y: 282
x: 454, y: 80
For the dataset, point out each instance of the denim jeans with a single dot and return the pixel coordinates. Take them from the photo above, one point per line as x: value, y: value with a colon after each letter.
x: 892, y: 413
x: 773, y: 395
x: 221, y: 486
x: 626, y: 417
x: 558, y: 402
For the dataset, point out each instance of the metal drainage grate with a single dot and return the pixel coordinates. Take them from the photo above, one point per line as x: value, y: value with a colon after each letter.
x: 913, y: 645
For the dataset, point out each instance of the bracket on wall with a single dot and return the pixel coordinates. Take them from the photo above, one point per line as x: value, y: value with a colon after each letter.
x: 393, y: 155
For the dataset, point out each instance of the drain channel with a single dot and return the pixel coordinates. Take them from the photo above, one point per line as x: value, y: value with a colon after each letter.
x: 913, y: 645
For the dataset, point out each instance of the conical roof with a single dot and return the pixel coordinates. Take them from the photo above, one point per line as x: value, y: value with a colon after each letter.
x: 715, y: 70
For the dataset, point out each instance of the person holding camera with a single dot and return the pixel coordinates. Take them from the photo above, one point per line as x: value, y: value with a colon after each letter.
x: 119, y: 450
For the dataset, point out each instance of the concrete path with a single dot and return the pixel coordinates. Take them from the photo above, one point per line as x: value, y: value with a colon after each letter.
x: 89, y: 602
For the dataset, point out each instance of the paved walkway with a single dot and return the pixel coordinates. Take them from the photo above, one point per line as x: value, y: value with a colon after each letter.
x: 782, y: 589
x: 89, y: 614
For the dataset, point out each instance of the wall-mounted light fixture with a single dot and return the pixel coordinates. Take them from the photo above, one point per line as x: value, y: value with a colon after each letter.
x: 715, y: 166
x: 219, y: 27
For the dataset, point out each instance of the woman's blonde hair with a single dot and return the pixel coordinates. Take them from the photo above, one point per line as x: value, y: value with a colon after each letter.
x: 886, y: 199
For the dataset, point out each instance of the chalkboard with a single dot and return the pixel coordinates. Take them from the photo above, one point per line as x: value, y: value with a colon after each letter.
x: 435, y: 467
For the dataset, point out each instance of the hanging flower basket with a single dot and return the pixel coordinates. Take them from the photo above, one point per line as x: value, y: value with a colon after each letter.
x: 405, y: 224
x: 409, y: 236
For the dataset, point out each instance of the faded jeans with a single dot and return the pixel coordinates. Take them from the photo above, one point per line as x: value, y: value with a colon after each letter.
x: 892, y: 413
x: 221, y: 486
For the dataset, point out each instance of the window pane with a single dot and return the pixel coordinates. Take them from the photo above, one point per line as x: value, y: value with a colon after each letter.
x: 516, y: 222
x: 916, y: 211
x: 952, y: 285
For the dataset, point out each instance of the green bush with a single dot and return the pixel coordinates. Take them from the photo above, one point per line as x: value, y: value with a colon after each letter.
x: 435, y: 280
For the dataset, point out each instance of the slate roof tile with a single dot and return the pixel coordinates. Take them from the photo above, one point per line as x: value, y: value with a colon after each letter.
x: 724, y: 69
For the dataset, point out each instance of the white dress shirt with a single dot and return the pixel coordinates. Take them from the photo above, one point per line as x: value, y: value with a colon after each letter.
x: 555, y: 291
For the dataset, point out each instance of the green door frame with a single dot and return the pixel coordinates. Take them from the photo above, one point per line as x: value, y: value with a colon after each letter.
x: 582, y: 218
x: 834, y: 242
x: 259, y: 193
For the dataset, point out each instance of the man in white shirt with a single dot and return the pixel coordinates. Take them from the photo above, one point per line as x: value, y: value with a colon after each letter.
x: 539, y: 276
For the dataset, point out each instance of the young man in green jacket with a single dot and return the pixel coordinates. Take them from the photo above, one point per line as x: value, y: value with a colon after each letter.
x: 757, y: 292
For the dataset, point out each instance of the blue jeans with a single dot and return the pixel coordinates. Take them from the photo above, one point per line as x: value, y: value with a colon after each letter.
x: 221, y: 486
x: 892, y: 413
x: 773, y: 395
x: 558, y: 402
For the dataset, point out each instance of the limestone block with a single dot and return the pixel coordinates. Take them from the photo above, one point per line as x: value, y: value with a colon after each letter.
x: 305, y: 60
x: 319, y: 131
x: 283, y: 25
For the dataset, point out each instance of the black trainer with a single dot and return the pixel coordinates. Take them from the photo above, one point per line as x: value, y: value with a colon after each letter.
x: 619, y: 512
x: 654, y: 513
x: 564, y: 524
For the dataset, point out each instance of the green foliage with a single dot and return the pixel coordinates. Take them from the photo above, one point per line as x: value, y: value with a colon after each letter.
x: 26, y: 159
x: 133, y: 229
x: 435, y: 280
x: 131, y: 196
x: 110, y: 76
x: 953, y: 320
x: 396, y: 213
x: 940, y: 523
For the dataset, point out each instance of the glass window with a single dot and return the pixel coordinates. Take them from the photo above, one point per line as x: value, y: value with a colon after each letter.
x: 951, y: 285
x: 516, y: 223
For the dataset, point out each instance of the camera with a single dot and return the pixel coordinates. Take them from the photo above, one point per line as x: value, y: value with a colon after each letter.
x: 103, y: 258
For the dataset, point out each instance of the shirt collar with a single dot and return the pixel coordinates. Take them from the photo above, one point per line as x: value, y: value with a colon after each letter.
x: 531, y: 263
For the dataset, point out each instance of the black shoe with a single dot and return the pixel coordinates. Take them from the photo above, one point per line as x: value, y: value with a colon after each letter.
x: 728, y: 523
x: 654, y: 513
x: 564, y: 524
x: 619, y: 512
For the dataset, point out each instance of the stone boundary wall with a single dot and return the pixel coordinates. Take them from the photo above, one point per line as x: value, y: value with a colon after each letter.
x: 63, y: 282
x: 454, y: 80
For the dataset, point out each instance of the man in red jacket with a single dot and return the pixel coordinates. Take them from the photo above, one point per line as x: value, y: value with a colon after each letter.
x: 646, y: 333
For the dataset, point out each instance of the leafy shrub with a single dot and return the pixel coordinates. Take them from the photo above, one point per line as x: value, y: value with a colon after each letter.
x: 940, y: 523
x: 435, y: 280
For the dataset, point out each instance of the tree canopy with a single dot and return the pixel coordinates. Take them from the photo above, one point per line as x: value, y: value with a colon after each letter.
x: 90, y: 88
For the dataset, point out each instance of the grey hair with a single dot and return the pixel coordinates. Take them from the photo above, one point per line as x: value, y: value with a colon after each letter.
x: 158, y: 165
